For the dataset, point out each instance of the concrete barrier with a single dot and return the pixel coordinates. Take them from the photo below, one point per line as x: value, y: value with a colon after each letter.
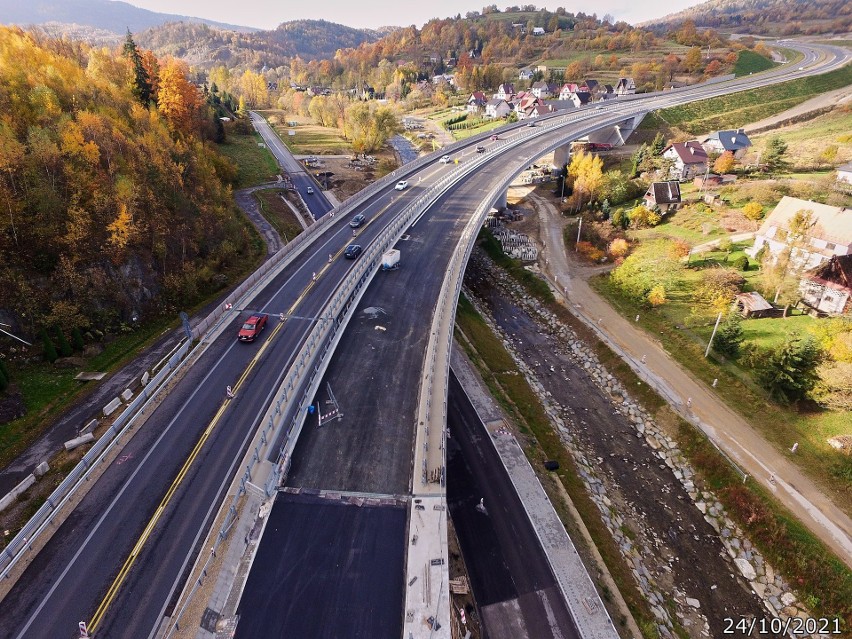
x: 71, y: 444
x: 110, y: 408
x: 127, y: 395
x: 41, y: 469
x: 16, y: 492
x: 145, y: 378
x: 89, y: 427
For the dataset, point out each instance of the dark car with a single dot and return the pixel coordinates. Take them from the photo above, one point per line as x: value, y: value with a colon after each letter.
x: 352, y: 251
x: 357, y: 221
x: 252, y: 327
x: 480, y: 149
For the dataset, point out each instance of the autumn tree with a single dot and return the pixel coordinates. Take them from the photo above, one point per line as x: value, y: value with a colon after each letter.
x: 586, y: 175
x: 180, y: 103
x: 753, y: 211
x: 692, y: 60
x: 368, y: 126
x: 724, y: 163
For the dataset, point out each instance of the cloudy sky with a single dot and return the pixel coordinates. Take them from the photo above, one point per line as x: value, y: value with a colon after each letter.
x: 267, y: 14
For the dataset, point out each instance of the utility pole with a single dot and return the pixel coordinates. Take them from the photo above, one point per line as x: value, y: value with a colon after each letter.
x: 579, y: 228
x: 715, y: 328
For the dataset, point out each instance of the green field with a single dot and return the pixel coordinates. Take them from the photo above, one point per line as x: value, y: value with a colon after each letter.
x: 309, y: 138
x: 749, y: 62
x: 278, y: 214
x: 739, y: 109
x: 255, y: 164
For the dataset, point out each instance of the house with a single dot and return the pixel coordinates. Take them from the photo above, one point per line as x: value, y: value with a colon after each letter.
x: 580, y: 98
x: 690, y: 159
x: 830, y: 234
x: 505, y: 91
x: 526, y: 74
x: 664, y: 196
x: 828, y: 288
x: 735, y: 142
x: 560, y: 105
x: 476, y: 102
x: 537, y: 110
x: 538, y: 31
x: 591, y: 86
x: 319, y: 91
x: 522, y: 26
x: 625, y: 86
x: 844, y: 173
x: 567, y: 89
x: 542, y: 89
x: 752, y: 305
x: 497, y: 108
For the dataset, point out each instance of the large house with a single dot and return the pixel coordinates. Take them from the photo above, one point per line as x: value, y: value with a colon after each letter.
x: 735, y: 142
x: 505, y: 91
x: 476, y: 102
x: 690, y: 159
x: 567, y: 89
x: 828, y: 287
x: 580, y: 98
x: 497, y: 108
x: 829, y: 236
x: 543, y: 90
x: 663, y: 195
x: 625, y: 86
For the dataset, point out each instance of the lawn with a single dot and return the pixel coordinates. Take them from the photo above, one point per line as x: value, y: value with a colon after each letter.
x: 278, y: 214
x: 749, y: 62
x: 488, y: 125
x: 255, y: 164
x: 692, y: 224
x: 739, y: 109
x: 309, y: 138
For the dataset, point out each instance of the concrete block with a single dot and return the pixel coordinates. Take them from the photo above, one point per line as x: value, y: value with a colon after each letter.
x: 41, y: 469
x: 13, y: 494
x: 127, y: 395
x: 145, y: 378
x: 90, y: 426
x: 110, y: 408
x: 71, y: 444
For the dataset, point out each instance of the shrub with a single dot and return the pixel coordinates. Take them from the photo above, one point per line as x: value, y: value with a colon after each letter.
x: 753, y: 211
x: 49, y: 349
x: 65, y: 349
x: 641, y: 217
x: 618, y: 248
x: 741, y: 263
x: 657, y: 295
x: 590, y: 252
x: 77, y: 340
x: 729, y: 337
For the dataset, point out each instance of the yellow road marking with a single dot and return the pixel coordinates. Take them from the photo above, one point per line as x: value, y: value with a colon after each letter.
x: 149, y: 528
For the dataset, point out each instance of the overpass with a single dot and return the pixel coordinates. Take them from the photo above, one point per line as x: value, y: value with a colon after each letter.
x: 124, y: 551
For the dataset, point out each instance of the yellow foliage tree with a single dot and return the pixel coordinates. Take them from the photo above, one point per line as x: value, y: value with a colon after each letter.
x: 753, y: 211
x: 178, y: 98
x: 657, y: 295
x: 120, y: 231
x: 724, y: 163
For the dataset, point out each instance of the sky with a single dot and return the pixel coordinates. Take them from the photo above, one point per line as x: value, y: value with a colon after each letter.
x: 268, y: 14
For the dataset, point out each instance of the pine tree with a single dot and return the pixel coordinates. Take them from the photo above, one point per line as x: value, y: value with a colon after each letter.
x: 65, y: 349
x: 50, y: 353
x: 77, y: 340
x: 142, y: 88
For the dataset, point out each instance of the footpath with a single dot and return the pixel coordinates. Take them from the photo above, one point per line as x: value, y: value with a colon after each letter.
x: 692, y: 399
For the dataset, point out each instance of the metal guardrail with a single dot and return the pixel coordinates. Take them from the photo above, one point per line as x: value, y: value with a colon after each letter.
x: 31, y: 531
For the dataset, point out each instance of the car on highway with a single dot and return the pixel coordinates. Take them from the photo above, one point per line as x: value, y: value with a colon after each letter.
x: 251, y: 328
x: 530, y: 124
x: 445, y: 159
x: 494, y: 137
x: 357, y: 221
x: 352, y: 251
x: 401, y: 185
x: 480, y: 149
x: 310, y: 190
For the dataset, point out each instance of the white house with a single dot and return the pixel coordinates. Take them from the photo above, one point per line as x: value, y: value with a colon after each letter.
x: 844, y: 173
x: 567, y: 89
x: 580, y: 98
x: 625, y: 86
x: 497, y: 108
x: 735, y: 142
x: 476, y: 102
x: 830, y: 235
x: 690, y: 159
x: 828, y: 287
x: 538, y: 31
x: 542, y: 89
x: 505, y: 91
x: 526, y: 74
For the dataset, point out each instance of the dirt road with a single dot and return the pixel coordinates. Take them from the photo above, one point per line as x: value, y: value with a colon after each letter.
x: 649, y: 359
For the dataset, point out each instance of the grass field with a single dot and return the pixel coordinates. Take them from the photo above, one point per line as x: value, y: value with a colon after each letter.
x: 278, y: 214
x: 309, y: 138
x: 255, y: 164
x: 751, y: 62
x: 738, y: 109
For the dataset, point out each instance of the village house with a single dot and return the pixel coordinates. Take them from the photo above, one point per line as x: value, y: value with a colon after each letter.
x: 526, y: 74
x: 664, y: 196
x: 828, y: 288
x: 625, y: 86
x: 580, y: 98
x: 497, y: 108
x: 542, y: 89
x: 591, y: 86
x: 476, y: 102
x: 538, y: 31
x: 689, y: 159
x: 505, y: 91
x: 844, y: 173
x: 830, y: 234
x: 734, y: 142
x: 444, y: 78
x: 567, y: 90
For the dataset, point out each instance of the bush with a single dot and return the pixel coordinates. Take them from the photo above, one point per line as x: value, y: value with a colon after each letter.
x: 642, y: 217
x: 729, y: 337
x: 77, y: 340
x: 741, y: 263
x: 65, y: 349
x: 49, y: 349
x: 618, y: 248
x: 753, y: 211
x: 591, y: 253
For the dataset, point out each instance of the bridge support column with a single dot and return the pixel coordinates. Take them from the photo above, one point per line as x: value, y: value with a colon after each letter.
x: 501, y: 202
x: 562, y: 156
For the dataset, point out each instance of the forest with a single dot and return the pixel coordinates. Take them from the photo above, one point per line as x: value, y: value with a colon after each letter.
x: 114, y: 203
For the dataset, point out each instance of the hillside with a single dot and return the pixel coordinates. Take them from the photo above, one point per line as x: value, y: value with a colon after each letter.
x: 203, y: 46
x: 766, y: 17
x: 113, y: 207
x: 106, y: 15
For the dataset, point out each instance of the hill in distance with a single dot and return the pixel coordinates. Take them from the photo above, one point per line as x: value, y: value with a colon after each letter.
x: 766, y: 17
x: 99, y: 15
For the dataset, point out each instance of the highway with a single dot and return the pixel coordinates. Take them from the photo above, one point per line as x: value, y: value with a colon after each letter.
x: 120, y: 557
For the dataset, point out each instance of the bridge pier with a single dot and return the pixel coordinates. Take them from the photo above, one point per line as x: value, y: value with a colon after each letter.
x: 502, y: 202
x: 562, y: 155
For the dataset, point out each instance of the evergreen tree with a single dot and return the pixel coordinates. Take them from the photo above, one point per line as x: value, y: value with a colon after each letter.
x: 142, y: 88
x: 789, y: 370
x: 219, y: 129
x: 65, y: 349
x: 77, y: 340
x: 729, y: 337
x: 50, y: 353
x: 658, y: 144
x: 773, y: 156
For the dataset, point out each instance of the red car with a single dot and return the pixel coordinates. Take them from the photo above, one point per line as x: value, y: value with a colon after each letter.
x: 252, y: 327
